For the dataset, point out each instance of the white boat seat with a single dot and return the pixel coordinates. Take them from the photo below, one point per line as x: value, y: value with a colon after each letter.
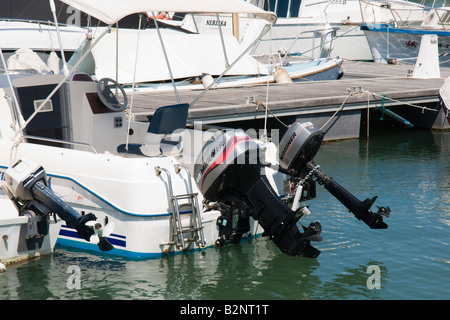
x: 163, y: 134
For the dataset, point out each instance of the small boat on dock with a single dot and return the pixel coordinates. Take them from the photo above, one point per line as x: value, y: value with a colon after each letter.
x: 193, y: 59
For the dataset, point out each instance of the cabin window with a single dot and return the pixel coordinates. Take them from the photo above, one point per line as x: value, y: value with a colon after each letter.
x: 283, y: 8
x: 48, y: 106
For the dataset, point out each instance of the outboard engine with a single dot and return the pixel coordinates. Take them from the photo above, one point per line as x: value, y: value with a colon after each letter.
x: 228, y: 172
x: 26, y: 186
x: 297, y: 149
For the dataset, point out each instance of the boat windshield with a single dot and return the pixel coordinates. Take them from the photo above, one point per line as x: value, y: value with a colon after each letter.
x: 283, y: 9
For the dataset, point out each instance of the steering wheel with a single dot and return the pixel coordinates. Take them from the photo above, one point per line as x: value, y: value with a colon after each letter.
x: 108, y: 98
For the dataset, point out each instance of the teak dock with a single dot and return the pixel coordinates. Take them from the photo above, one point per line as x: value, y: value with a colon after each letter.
x: 364, y: 85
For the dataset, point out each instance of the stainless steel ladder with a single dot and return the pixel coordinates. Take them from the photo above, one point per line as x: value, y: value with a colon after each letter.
x: 194, y: 229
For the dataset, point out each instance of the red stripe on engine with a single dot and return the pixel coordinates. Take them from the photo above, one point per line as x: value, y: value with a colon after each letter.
x: 231, y: 145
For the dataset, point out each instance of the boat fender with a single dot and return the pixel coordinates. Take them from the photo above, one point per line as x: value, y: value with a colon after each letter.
x: 207, y: 80
x: 281, y: 75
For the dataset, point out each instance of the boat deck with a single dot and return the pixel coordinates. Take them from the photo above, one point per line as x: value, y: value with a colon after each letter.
x: 238, y: 104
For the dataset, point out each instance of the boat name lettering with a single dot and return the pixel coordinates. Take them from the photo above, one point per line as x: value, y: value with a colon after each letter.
x: 216, y: 23
x: 2, y: 176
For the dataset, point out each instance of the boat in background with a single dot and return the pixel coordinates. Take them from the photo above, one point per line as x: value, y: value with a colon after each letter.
x: 298, y: 20
x: 32, y: 25
x: 193, y: 58
x: 399, y: 41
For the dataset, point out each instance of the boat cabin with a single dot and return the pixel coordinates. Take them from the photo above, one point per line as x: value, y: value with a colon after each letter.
x: 74, y: 117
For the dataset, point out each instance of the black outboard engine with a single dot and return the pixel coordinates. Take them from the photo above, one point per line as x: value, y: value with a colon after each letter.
x: 229, y: 173
x: 26, y: 186
x: 297, y: 149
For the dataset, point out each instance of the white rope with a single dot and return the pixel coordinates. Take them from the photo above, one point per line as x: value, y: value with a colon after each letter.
x: 340, y: 108
x: 130, y: 110
x: 267, y: 84
x: 402, y: 102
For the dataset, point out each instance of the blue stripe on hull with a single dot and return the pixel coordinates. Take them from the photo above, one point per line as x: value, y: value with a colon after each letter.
x: 71, y: 233
x: 86, y: 246
x: 383, y: 28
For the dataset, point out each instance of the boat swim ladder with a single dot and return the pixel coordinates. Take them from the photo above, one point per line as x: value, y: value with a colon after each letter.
x: 178, y: 231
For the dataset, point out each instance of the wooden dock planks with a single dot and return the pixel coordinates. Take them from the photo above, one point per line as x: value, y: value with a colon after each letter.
x: 219, y: 105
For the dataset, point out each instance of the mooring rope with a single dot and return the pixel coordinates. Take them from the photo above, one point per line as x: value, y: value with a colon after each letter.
x: 402, y: 102
x: 259, y: 103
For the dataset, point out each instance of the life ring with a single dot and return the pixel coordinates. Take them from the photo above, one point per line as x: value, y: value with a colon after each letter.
x: 162, y: 15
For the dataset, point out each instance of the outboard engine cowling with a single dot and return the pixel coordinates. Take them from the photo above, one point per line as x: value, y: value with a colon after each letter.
x: 299, y: 145
x: 228, y: 171
x: 297, y: 149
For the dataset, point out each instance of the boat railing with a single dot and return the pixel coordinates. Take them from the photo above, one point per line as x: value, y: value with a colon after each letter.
x: 75, y: 143
x: 36, y: 21
x: 402, y: 13
x: 322, y: 33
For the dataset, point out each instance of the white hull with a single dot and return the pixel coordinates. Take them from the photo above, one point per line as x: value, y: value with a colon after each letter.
x: 349, y: 43
x: 314, y: 70
x: 13, y: 247
x: 403, y: 44
x: 126, y: 191
x: 39, y: 36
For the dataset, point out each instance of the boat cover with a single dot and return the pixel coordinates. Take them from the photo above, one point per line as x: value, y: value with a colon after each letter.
x: 190, y: 55
x: 111, y: 11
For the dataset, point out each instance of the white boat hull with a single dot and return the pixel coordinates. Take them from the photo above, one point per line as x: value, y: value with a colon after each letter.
x: 13, y: 246
x: 39, y: 36
x: 124, y: 190
x: 403, y: 44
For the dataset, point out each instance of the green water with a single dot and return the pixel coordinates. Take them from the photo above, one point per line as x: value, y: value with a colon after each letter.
x: 409, y: 170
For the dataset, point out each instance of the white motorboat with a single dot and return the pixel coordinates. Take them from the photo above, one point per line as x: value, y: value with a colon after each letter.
x: 159, y: 188
x: 299, y: 20
x: 400, y: 41
x: 192, y: 56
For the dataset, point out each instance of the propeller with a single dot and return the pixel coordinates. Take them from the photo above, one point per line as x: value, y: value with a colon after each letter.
x: 312, y: 232
x: 100, y: 234
x: 385, y: 212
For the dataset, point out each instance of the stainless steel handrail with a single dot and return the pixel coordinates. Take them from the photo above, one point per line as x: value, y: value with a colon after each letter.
x: 61, y: 141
